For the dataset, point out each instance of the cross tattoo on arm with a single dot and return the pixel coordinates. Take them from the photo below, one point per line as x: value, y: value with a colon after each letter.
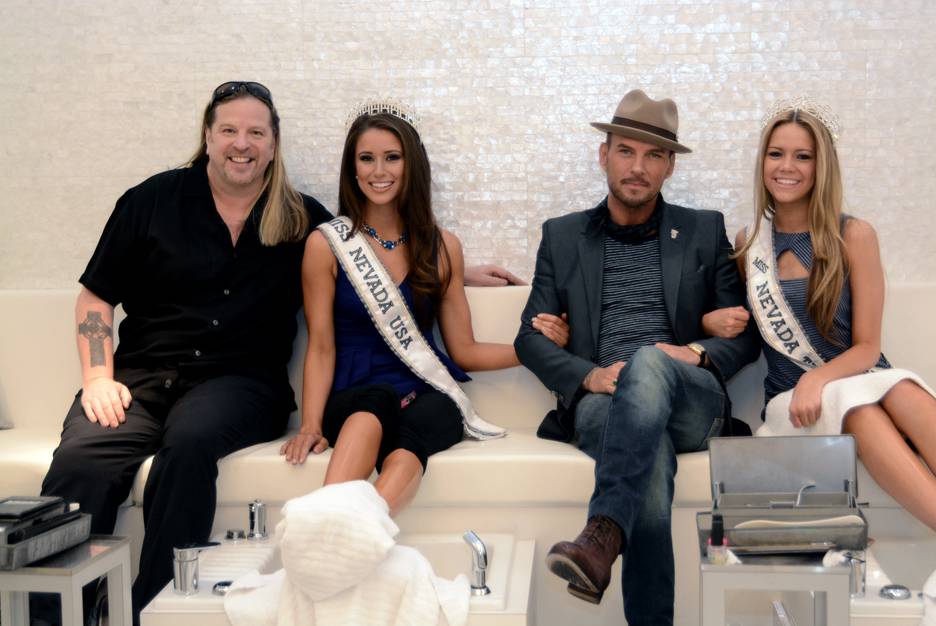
x: 95, y: 330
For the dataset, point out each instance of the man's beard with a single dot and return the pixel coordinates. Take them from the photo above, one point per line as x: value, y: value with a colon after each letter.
x: 633, y: 204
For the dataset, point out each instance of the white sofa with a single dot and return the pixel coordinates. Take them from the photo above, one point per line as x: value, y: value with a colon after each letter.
x: 520, y: 484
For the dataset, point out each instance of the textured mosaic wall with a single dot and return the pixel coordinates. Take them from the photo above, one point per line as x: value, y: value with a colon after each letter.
x: 95, y: 95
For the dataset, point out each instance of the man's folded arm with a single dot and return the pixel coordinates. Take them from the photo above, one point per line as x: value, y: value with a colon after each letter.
x: 558, y: 369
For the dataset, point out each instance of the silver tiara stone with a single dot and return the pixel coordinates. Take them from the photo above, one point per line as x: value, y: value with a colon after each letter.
x: 390, y: 106
x: 821, y: 112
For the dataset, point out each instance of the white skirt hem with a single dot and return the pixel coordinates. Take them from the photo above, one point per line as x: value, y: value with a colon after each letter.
x: 838, y: 398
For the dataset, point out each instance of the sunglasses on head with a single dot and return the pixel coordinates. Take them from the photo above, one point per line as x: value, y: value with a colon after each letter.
x: 235, y: 87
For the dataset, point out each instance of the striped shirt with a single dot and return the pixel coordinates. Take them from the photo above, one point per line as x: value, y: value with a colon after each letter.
x: 633, y: 313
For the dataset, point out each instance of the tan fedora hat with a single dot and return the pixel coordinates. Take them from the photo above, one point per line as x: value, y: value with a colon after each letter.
x: 640, y: 117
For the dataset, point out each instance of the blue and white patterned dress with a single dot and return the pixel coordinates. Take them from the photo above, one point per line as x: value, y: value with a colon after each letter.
x: 838, y: 396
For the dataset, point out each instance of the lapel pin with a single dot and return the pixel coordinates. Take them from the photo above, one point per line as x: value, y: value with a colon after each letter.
x: 673, y: 233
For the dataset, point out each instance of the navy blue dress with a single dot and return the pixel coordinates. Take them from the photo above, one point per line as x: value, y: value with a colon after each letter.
x: 362, y: 356
x: 369, y: 377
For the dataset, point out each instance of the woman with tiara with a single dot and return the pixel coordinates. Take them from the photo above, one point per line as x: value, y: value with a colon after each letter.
x: 815, y: 286
x: 375, y: 280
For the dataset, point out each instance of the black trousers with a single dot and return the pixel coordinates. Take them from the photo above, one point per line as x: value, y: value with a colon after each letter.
x: 189, y: 425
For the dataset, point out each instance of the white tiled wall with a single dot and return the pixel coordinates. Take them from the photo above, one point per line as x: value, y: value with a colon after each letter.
x: 95, y: 95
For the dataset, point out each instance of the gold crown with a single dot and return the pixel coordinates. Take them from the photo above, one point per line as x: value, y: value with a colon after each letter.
x: 821, y: 112
x: 390, y: 106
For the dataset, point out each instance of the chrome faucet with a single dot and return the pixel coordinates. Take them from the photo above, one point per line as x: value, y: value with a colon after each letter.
x: 185, y: 567
x: 479, y: 562
x: 256, y: 518
x: 857, y: 574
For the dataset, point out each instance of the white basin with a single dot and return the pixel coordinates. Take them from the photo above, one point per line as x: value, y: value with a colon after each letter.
x: 907, y: 563
x: 509, y: 573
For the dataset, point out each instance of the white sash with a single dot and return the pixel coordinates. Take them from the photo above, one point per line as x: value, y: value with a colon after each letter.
x: 777, y: 323
x: 394, y: 321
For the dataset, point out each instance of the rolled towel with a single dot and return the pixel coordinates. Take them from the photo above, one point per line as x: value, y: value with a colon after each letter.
x: 333, y: 538
x: 841, y: 520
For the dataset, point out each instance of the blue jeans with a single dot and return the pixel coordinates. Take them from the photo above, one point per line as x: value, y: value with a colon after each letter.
x: 661, y: 407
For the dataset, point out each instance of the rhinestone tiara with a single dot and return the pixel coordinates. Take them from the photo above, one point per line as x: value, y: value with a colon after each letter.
x: 391, y: 106
x: 821, y: 112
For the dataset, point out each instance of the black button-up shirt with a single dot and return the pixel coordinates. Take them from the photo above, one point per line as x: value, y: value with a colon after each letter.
x: 195, y: 302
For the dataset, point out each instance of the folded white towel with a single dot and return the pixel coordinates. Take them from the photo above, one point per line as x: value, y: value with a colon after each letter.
x: 341, y: 568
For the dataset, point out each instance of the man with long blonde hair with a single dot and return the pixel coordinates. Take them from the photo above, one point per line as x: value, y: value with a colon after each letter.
x: 205, y: 260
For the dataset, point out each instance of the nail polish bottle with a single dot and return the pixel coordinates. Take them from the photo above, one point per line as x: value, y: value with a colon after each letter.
x: 717, y: 549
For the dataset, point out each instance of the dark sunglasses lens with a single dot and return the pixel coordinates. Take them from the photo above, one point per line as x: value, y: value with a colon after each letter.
x: 260, y: 91
x: 226, y: 89
x: 232, y: 88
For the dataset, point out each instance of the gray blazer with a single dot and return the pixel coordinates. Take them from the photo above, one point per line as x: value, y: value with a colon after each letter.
x: 698, y: 277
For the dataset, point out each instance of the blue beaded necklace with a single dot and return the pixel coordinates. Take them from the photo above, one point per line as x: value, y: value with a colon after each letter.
x: 389, y: 245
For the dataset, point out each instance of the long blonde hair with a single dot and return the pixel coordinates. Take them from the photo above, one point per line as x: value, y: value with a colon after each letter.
x: 284, y: 215
x: 830, y: 264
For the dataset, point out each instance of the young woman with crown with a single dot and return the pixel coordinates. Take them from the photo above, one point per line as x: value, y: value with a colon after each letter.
x: 375, y: 280
x: 816, y: 290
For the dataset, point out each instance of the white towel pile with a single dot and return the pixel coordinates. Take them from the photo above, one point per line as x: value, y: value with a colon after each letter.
x: 341, y: 567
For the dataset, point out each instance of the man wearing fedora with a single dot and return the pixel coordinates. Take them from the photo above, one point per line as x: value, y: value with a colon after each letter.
x: 638, y: 381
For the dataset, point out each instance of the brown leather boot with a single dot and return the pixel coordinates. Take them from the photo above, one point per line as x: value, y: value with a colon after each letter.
x: 586, y: 562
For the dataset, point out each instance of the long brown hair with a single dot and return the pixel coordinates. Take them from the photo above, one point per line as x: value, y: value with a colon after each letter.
x: 429, y: 262
x: 284, y: 215
x: 830, y: 263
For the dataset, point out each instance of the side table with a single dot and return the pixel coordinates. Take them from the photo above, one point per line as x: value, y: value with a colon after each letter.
x: 66, y: 573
